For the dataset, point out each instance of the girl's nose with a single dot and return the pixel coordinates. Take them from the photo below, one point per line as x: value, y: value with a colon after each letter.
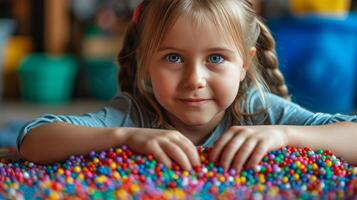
x: 195, y: 77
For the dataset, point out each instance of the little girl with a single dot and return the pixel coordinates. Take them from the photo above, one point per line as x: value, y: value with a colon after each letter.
x: 194, y: 72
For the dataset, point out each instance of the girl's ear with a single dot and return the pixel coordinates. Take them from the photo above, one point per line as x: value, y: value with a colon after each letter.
x: 246, y: 65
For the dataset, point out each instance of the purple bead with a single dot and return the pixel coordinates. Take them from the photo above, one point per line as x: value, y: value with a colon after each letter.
x: 92, y: 154
x: 102, y: 156
x: 119, y: 159
x: 232, y: 172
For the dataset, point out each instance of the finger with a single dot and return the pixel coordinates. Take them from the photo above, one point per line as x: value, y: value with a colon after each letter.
x: 230, y: 150
x: 258, y: 154
x: 161, y: 156
x: 219, y: 145
x: 177, y: 154
x: 189, y: 149
x: 243, y: 154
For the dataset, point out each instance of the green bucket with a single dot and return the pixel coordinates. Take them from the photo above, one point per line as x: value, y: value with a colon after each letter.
x: 47, y: 79
x: 102, y: 76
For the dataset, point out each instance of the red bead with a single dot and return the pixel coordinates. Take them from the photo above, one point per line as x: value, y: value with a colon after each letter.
x: 172, y: 184
x: 150, y: 157
x: 213, y: 190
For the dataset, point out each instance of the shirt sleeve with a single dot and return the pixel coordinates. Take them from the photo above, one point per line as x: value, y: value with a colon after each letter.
x: 120, y: 112
x: 284, y: 112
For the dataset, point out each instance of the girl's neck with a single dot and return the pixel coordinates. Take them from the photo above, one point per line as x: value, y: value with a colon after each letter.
x: 197, y: 134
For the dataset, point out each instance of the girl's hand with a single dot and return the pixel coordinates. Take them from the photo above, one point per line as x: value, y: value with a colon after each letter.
x: 242, y: 142
x: 164, y: 145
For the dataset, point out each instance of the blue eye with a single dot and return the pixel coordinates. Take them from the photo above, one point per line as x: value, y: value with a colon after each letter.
x: 174, y: 58
x: 215, y: 59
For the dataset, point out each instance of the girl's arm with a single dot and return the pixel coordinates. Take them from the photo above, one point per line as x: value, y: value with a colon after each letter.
x: 53, y: 142
x: 340, y: 138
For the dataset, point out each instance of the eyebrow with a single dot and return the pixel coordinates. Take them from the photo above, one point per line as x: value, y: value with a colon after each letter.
x: 164, y: 48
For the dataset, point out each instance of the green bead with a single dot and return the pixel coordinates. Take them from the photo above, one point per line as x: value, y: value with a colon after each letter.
x: 210, y: 165
x: 286, y: 168
x: 263, y: 169
x: 320, y: 151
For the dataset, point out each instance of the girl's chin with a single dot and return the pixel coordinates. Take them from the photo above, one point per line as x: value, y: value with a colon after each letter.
x: 196, y: 121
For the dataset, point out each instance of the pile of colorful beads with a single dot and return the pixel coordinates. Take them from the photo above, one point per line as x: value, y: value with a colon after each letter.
x: 119, y: 173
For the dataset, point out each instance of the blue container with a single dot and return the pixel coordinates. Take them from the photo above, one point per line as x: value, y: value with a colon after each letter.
x: 102, y: 76
x: 318, y: 59
x: 46, y: 79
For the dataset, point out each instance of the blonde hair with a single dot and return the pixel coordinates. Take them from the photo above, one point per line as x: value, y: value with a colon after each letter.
x: 236, y: 17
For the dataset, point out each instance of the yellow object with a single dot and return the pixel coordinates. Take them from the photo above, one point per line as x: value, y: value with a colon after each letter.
x: 101, y: 179
x: 313, y: 178
x: 116, y: 175
x: 285, y: 180
x: 121, y: 194
x: 16, y: 49
x: 261, y: 178
x: 185, y: 173
x: 134, y: 188
x: 54, y: 195
x: 113, y: 165
x: 322, y: 7
x: 77, y: 169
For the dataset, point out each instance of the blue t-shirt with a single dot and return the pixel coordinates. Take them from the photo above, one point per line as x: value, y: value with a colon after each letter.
x: 124, y: 111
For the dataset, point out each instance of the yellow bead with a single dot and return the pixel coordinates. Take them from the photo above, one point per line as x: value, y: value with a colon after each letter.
x: 77, y: 169
x: 296, y: 177
x: 237, y: 180
x: 261, y: 178
x: 175, y: 176
x: 60, y: 171
x: 315, y: 166
x: 69, y: 180
x: 134, y: 188
x: 313, y: 178
x: 116, y: 175
x: 243, y: 180
x: 210, y: 174
x: 113, y: 165
x: 202, y: 158
x: 261, y: 188
x: 179, y: 193
x: 221, y: 179
x: 15, y: 186
x: 167, y: 194
x: 354, y: 170
x: 118, y: 151
x: 285, y: 179
x: 81, y: 177
x: 54, y: 195
x: 96, y: 160
x: 185, y: 173
x: 121, y: 194
x: 297, y: 163
x: 329, y: 163
x: 101, y: 179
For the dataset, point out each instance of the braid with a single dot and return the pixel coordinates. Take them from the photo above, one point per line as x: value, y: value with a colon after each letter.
x: 127, y: 60
x: 267, y: 58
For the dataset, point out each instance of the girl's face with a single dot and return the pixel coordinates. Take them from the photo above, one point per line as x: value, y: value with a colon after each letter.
x: 195, y: 74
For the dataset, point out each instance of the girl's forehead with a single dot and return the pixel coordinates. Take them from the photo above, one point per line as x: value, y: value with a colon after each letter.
x: 197, y: 29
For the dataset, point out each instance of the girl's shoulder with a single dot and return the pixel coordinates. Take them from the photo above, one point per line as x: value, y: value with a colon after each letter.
x: 127, y: 103
x: 268, y: 108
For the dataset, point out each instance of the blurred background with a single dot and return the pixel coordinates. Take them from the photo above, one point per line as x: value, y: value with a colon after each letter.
x: 59, y: 56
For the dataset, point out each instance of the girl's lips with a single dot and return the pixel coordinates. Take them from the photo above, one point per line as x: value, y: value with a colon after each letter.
x: 195, y: 102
